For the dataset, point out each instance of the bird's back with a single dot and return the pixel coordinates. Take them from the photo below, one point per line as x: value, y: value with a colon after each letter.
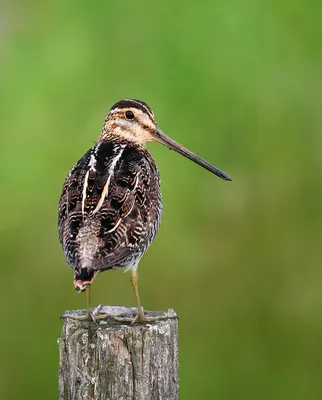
x: 110, y: 207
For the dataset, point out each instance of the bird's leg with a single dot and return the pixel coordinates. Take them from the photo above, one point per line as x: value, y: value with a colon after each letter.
x: 140, y: 317
x: 94, y: 315
x: 90, y: 315
x: 88, y: 299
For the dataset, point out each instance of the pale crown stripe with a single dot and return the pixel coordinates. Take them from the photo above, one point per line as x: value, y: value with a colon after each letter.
x: 142, y: 105
x: 149, y: 112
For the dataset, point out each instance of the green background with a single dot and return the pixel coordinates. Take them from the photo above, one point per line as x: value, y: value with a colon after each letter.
x: 239, y: 83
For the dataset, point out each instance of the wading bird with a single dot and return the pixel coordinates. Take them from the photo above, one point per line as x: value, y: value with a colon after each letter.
x: 110, y: 207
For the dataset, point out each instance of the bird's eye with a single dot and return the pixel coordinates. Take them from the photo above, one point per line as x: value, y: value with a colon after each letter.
x: 129, y: 115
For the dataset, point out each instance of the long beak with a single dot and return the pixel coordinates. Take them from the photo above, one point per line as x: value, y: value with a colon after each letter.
x: 162, y: 138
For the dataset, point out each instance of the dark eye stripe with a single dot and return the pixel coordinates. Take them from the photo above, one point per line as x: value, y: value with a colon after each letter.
x: 132, y: 103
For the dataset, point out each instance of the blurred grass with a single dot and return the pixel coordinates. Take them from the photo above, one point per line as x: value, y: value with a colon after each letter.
x: 237, y: 82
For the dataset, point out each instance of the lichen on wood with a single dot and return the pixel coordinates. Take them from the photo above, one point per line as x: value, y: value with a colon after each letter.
x: 113, y: 360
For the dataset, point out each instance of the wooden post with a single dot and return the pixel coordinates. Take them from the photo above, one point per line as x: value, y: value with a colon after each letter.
x: 113, y: 360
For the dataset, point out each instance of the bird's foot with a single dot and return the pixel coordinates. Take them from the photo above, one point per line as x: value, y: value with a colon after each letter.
x: 92, y: 316
x: 83, y: 317
x: 98, y: 315
x: 119, y: 314
x: 141, y: 319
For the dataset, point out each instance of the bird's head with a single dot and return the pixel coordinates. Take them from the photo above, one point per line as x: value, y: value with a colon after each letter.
x: 133, y: 121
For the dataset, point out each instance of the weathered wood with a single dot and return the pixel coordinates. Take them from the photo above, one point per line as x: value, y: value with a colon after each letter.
x: 113, y: 360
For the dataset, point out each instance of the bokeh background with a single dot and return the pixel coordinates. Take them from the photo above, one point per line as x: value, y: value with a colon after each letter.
x: 238, y: 82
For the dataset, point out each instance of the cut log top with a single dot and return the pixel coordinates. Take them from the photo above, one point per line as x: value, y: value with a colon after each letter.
x: 113, y: 360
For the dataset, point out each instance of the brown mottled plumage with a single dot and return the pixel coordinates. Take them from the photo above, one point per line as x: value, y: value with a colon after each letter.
x: 110, y: 207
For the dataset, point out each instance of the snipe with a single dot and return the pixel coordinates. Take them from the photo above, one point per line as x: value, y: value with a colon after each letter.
x: 110, y: 207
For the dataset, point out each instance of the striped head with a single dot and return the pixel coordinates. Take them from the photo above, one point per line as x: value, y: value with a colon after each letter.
x: 133, y: 121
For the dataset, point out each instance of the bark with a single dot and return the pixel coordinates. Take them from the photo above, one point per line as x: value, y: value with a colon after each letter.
x: 114, y: 360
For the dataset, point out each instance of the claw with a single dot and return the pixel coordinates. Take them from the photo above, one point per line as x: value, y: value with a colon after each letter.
x: 92, y: 316
x: 118, y: 314
x: 141, y: 319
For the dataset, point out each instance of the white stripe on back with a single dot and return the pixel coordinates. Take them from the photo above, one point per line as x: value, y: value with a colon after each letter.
x: 110, y: 173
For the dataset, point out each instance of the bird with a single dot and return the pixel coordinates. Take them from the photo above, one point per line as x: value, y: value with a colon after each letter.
x: 110, y: 207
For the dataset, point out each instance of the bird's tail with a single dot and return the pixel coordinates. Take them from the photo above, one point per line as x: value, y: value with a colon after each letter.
x: 83, y: 277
